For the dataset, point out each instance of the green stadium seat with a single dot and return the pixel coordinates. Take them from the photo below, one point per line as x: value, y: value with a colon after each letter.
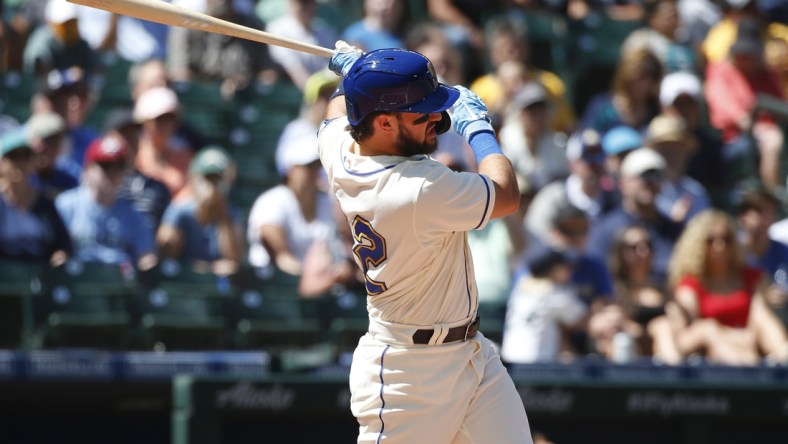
x: 85, y: 306
x: 268, y: 313
x: 179, y: 308
x: 20, y: 283
x: 349, y: 320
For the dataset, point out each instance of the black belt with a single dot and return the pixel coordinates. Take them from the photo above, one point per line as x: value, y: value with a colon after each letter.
x: 459, y: 333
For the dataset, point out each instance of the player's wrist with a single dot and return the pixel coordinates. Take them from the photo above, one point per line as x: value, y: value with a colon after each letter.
x: 483, y: 143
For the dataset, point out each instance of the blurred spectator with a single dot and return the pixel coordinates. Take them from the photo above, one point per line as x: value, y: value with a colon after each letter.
x: 152, y: 74
x: 617, y: 143
x: 660, y: 36
x: 633, y: 97
x: 301, y: 24
x: 158, y: 157
x: 697, y: 18
x: 68, y: 94
x: 642, y: 173
x: 462, y: 24
x: 732, y: 87
x: 776, y: 56
x: 541, y: 303
x: 537, y: 153
x: 46, y: 136
x: 302, y: 131
x: 509, y: 55
x: 198, y: 55
x: 382, y: 25
x: 755, y: 213
x: 203, y: 229
x: 591, y: 279
x: 149, y: 196
x: 132, y: 39
x: 104, y: 228
x: 583, y: 189
x: 286, y: 219
x: 720, y: 38
x: 639, y: 292
x: 680, y: 197
x: 680, y: 94
x: 12, y: 43
x: 58, y: 45
x: 30, y: 227
x: 722, y: 313
x: 428, y: 40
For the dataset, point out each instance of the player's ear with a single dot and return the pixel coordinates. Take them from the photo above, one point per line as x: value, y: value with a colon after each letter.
x: 385, y: 123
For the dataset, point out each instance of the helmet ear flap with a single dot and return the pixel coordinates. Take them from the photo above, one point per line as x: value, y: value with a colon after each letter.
x: 444, y: 124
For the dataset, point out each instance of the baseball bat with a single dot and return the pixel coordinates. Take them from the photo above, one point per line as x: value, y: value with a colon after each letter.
x: 166, y: 13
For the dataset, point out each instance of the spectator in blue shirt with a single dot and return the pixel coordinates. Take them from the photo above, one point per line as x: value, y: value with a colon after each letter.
x: 30, y: 227
x: 103, y: 227
x: 641, y: 174
x: 202, y: 228
x: 381, y: 27
x: 755, y: 213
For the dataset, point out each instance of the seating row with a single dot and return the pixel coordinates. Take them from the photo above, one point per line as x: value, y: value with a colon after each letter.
x: 171, y: 307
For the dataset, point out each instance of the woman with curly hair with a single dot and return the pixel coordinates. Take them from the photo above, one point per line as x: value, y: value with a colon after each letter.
x: 719, y: 309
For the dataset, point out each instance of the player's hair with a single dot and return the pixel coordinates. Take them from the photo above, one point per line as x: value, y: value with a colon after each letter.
x: 364, y: 128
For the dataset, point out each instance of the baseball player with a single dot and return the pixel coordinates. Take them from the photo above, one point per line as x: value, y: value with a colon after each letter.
x: 423, y: 373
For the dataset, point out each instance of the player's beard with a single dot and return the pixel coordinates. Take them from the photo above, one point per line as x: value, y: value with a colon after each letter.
x: 408, y: 146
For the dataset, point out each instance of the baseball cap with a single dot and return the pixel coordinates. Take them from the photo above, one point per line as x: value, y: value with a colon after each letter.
x: 212, y: 159
x: 106, y: 149
x: 317, y: 83
x: 302, y: 151
x: 677, y: 83
x: 668, y: 128
x: 59, y: 79
x: 586, y: 145
x: 541, y: 259
x: 60, y: 11
x: 640, y: 161
x: 155, y: 102
x: 530, y: 94
x: 620, y: 140
x: 46, y: 124
x: 14, y: 139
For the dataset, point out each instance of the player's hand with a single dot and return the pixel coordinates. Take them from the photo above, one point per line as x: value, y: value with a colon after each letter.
x: 344, y: 57
x: 469, y: 114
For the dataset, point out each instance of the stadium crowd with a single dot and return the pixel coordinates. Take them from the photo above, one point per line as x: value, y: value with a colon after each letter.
x: 648, y: 137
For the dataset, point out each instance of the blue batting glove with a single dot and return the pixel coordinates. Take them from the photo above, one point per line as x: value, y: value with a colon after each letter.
x: 344, y: 57
x: 469, y: 114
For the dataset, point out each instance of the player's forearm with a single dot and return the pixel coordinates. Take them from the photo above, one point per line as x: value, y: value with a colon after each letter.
x: 507, y: 196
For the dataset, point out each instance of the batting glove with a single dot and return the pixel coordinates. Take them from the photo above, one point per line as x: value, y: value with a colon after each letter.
x: 344, y: 57
x: 469, y: 114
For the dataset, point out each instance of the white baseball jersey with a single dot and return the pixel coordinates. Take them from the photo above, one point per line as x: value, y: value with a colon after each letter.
x: 536, y: 310
x: 409, y: 216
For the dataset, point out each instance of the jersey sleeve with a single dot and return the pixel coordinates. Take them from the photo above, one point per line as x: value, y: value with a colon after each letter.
x: 452, y: 201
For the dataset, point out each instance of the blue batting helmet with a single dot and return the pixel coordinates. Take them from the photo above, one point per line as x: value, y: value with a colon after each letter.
x: 394, y: 80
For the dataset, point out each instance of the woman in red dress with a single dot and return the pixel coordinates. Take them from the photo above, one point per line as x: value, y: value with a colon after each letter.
x: 718, y: 309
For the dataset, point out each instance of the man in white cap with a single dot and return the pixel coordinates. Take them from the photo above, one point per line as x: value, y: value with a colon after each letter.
x: 680, y: 95
x: 59, y: 44
x: 642, y: 173
x: 286, y: 219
